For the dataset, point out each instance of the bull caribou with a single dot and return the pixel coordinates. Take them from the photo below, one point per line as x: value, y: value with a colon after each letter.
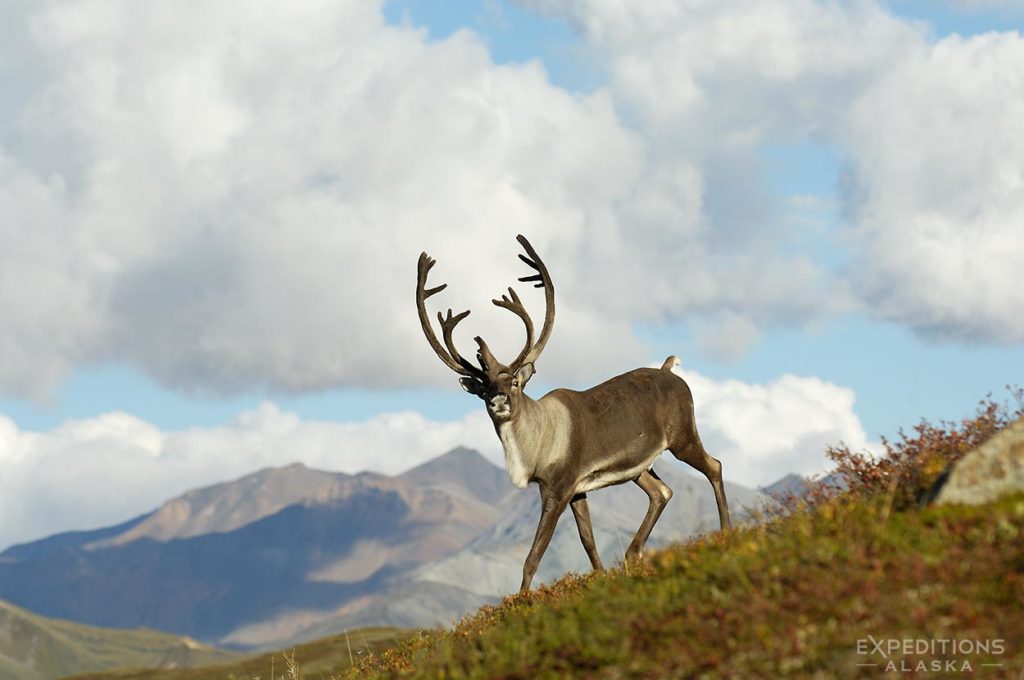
x: 571, y: 442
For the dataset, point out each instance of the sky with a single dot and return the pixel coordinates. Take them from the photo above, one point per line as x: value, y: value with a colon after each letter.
x: 209, y: 222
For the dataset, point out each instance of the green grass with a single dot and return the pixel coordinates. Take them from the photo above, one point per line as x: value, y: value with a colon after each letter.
x: 790, y: 597
x: 34, y: 647
x: 322, y: 658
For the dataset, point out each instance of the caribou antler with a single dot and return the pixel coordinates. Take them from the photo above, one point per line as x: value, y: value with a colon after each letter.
x: 543, y: 280
x: 447, y: 327
x: 515, y: 306
x: 451, y: 358
x: 449, y: 354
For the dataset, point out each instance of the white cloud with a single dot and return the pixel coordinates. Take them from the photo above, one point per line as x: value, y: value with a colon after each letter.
x: 938, y: 189
x: 928, y: 130
x: 762, y: 432
x: 235, y: 196
x: 104, y: 470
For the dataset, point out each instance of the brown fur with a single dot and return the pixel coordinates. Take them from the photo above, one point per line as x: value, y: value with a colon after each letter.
x: 616, y: 431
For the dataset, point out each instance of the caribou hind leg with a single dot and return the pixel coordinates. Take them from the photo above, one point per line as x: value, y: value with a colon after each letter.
x: 693, y: 454
x: 581, y: 512
x: 659, y: 494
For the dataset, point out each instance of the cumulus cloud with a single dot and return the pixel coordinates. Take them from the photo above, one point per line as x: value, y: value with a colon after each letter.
x: 933, y: 179
x: 104, y: 470
x: 762, y: 432
x: 937, y: 189
x: 234, y: 197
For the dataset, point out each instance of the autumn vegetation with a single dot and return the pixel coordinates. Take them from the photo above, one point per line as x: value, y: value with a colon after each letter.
x: 808, y: 588
x: 806, y: 591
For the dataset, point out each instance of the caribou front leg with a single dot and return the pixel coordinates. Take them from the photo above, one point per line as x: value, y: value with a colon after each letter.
x: 552, y: 506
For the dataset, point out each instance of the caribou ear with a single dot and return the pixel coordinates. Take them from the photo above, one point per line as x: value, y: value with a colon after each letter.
x: 473, y: 386
x: 524, y: 373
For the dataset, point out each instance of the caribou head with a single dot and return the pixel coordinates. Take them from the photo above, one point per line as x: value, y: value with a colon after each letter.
x: 499, y: 385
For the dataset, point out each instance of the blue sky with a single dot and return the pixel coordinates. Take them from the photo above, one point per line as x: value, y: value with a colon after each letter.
x: 811, y: 233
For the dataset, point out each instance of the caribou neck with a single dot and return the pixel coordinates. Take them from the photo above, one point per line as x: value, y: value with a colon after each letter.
x: 533, y: 438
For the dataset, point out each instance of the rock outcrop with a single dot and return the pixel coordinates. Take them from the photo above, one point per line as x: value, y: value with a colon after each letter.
x: 990, y: 471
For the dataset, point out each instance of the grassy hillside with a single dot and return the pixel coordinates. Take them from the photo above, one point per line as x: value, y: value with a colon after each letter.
x: 792, y: 597
x: 34, y: 647
x: 321, y: 658
x: 844, y: 583
x: 846, y: 578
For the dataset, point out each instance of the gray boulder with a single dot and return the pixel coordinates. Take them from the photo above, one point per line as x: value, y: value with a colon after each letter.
x: 992, y: 470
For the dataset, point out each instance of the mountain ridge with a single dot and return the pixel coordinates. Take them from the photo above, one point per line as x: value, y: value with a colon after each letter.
x: 285, y: 553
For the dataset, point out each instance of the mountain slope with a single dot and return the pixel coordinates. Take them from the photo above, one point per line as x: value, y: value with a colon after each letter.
x: 826, y: 593
x: 66, y: 540
x: 33, y: 647
x: 225, y: 507
x: 321, y: 658
x: 289, y: 554
x: 463, y: 470
x: 250, y: 561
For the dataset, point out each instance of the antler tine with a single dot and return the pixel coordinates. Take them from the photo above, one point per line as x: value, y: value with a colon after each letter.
x: 515, y: 306
x: 534, y: 277
x: 543, y: 280
x: 447, y: 328
x: 484, y: 356
x: 452, y: 360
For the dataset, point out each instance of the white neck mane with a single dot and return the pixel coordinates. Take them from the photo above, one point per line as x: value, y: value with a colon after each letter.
x: 536, y: 437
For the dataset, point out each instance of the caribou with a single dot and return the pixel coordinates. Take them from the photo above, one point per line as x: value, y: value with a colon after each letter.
x: 571, y: 442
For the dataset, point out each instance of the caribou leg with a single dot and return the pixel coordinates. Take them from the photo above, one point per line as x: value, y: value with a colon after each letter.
x: 552, y: 507
x: 659, y: 493
x: 696, y: 457
x: 581, y: 512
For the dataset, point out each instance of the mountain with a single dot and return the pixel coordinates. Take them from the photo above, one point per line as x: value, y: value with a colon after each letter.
x: 795, y: 486
x: 33, y: 647
x: 463, y: 470
x: 789, y: 485
x: 290, y: 554
x: 251, y: 561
